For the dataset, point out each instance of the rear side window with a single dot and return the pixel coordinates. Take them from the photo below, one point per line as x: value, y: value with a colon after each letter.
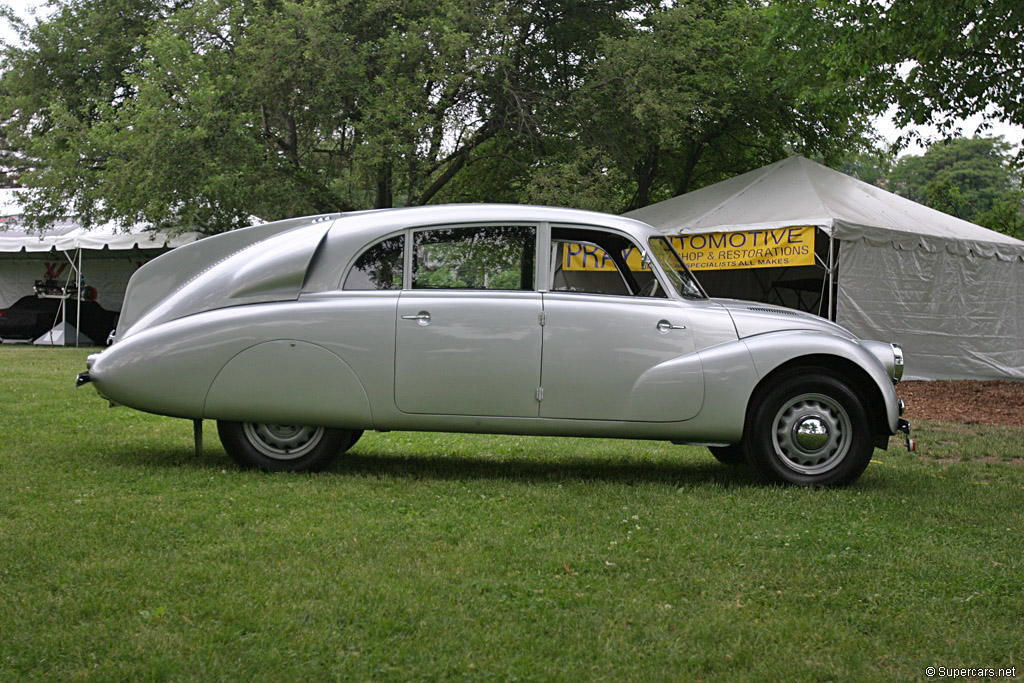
x: 494, y: 257
x: 379, y: 267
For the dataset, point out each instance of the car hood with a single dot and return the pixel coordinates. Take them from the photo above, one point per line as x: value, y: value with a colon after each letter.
x: 753, y: 318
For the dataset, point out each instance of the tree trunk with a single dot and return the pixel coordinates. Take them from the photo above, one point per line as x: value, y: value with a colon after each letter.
x: 385, y: 197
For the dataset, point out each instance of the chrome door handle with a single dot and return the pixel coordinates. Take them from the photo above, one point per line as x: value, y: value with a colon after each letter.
x: 421, y: 318
x: 664, y: 326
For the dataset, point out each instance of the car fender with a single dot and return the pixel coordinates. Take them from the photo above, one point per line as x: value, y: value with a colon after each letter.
x: 288, y: 381
x: 668, y: 392
x: 734, y: 370
x: 164, y: 370
x: 771, y: 351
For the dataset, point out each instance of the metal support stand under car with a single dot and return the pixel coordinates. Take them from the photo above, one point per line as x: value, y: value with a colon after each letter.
x: 197, y: 435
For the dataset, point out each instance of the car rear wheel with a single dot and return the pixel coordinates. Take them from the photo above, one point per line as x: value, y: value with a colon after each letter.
x: 282, y: 447
x: 809, y: 431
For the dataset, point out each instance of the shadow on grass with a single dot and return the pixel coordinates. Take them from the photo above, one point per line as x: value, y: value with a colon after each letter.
x: 456, y: 468
x: 165, y: 457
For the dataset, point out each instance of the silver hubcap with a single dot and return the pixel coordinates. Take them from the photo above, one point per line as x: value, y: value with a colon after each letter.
x: 282, y: 442
x: 811, y: 433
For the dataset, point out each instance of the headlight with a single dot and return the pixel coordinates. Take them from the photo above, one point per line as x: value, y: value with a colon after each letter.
x: 897, y: 370
x: 889, y: 356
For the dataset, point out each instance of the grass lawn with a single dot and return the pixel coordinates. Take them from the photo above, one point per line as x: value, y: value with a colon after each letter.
x: 430, y: 556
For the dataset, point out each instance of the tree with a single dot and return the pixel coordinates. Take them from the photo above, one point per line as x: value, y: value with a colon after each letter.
x: 199, y: 114
x: 694, y: 93
x: 204, y: 113
x: 974, y: 179
x: 63, y: 84
x: 872, y: 166
x: 935, y: 61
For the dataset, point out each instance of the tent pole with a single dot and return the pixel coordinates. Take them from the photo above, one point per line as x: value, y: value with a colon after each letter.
x: 77, y: 274
x: 64, y: 303
x: 78, y: 301
x: 831, y: 275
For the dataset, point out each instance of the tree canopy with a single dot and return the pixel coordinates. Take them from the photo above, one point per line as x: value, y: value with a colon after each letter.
x: 201, y: 114
x: 975, y: 179
x: 210, y: 111
x: 934, y: 61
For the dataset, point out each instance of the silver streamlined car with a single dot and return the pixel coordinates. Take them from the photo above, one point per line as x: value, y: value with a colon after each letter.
x: 298, y: 335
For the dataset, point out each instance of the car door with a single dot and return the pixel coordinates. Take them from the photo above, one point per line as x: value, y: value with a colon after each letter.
x: 468, y: 332
x: 616, y: 347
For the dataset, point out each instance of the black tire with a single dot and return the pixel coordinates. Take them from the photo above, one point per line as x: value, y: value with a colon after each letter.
x: 809, y: 431
x: 729, y: 455
x: 284, y: 448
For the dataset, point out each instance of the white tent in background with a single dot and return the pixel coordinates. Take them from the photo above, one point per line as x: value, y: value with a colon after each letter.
x: 800, y: 234
x: 105, y: 256
x: 69, y: 259
x: 64, y: 334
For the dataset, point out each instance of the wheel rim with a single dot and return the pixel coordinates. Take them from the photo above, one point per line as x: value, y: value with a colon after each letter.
x: 812, y: 434
x: 282, y: 442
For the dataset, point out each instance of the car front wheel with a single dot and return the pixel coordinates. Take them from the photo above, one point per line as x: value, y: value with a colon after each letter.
x: 284, y: 448
x: 809, y: 431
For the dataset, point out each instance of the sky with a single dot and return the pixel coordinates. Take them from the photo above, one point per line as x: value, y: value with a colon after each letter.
x: 888, y: 130
x: 883, y: 124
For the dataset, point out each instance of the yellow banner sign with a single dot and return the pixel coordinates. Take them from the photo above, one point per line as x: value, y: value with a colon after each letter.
x: 792, y: 246
x: 593, y: 257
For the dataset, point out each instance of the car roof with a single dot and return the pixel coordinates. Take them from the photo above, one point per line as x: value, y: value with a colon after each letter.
x: 388, y: 220
x: 350, y: 233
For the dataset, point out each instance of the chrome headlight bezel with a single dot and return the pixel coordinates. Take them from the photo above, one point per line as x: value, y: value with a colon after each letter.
x: 889, y: 356
x: 898, y: 362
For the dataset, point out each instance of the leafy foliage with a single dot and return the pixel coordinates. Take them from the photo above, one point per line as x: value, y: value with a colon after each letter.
x: 964, y: 58
x: 935, y: 61
x: 974, y: 179
x: 694, y: 93
x: 202, y: 114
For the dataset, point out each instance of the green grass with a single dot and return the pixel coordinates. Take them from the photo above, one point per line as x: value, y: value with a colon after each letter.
x: 432, y: 556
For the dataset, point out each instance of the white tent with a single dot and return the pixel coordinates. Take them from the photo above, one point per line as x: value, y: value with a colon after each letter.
x: 104, y: 257
x: 64, y: 334
x: 949, y: 291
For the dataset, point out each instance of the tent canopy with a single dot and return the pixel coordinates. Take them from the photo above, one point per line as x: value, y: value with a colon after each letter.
x: 105, y: 256
x: 798, y: 191
x: 949, y: 291
x: 68, y: 236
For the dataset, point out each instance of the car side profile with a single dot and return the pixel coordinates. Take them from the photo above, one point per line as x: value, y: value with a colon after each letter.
x: 297, y: 336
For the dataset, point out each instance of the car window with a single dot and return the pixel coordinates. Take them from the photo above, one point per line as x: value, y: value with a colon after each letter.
x: 594, y: 262
x: 678, y: 274
x: 379, y: 267
x: 494, y: 257
x: 584, y: 267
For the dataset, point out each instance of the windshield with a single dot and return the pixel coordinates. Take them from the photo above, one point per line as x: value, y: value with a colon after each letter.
x: 678, y: 274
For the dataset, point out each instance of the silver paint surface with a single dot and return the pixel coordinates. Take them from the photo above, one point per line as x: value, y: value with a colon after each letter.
x: 253, y: 326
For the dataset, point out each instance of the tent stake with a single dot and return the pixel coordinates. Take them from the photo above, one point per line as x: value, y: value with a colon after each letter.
x: 197, y: 434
